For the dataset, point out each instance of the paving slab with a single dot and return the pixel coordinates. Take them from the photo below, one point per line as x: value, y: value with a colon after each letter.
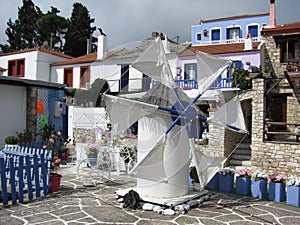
x: 76, y: 204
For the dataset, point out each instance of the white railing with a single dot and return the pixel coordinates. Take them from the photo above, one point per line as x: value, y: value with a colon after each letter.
x: 228, y: 41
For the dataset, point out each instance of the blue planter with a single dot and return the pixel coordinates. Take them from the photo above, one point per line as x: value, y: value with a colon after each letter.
x: 259, y: 189
x: 226, y: 183
x: 92, y: 160
x: 213, y: 184
x: 293, y: 196
x: 277, y: 192
x: 243, y: 185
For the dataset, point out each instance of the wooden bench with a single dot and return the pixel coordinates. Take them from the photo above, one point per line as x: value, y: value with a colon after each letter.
x: 287, y: 132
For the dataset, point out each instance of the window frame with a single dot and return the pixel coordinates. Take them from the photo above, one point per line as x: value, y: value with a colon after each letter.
x: 66, y: 80
x: 16, y: 67
x: 86, y: 78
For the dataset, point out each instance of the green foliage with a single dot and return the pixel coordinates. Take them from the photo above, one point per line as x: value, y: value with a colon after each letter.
x: 11, y: 140
x: 52, y: 27
x: 194, y: 174
x: 25, y: 136
x: 79, y: 31
x: 239, y: 79
x: 23, y: 33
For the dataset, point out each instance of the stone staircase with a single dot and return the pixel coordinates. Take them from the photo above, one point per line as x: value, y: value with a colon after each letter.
x: 241, y: 156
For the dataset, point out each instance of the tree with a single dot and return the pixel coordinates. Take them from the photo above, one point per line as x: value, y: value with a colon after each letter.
x: 240, y: 79
x: 52, y: 28
x: 79, y: 31
x: 23, y: 33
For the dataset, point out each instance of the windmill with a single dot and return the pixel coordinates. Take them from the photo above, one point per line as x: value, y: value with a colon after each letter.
x: 165, y: 116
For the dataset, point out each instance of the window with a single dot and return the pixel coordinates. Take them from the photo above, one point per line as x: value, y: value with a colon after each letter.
x: 190, y: 71
x: 215, y: 35
x: 233, y: 33
x: 287, y: 50
x: 198, y: 36
x: 253, y: 30
x: 68, y: 77
x: 84, y: 76
x: 124, y: 78
x: 16, y: 68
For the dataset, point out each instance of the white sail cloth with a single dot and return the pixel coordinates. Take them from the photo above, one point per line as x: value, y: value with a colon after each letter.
x: 153, y: 62
x: 124, y: 112
x: 209, y: 68
x: 230, y: 115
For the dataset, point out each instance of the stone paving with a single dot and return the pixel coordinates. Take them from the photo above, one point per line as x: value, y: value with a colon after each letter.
x: 75, y: 204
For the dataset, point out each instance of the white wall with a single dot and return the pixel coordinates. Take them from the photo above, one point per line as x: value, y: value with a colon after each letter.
x: 13, y: 111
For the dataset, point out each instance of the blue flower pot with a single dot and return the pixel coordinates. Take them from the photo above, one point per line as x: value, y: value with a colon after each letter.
x: 92, y: 160
x: 259, y: 189
x: 213, y: 184
x: 243, y: 185
x: 293, y: 196
x: 277, y: 192
x: 226, y: 183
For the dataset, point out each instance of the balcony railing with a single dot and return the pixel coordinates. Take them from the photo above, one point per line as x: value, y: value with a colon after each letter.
x: 228, y: 41
x: 187, y: 84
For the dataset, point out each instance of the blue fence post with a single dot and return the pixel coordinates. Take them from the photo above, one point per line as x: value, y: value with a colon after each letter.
x: 3, y: 182
x: 36, y: 176
x: 29, y: 175
x: 45, y: 174
x: 12, y: 174
x: 21, y: 179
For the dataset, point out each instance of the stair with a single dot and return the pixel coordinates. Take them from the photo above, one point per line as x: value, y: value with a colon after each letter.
x: 241, y: 156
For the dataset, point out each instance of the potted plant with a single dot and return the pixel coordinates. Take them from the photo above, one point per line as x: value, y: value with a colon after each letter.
x: 293, y: 191
x: 277, y: 187
x: 243, y: 181
x: 11, y: 140
x: 226, y: 179
x: 195, y: 178
x: 259, y: 184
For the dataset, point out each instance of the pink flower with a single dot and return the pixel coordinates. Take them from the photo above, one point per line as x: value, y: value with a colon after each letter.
x: 52, y: 135
x: 58, y: 133
x: 57, y: 161
x: 44, y: 146
x: 51, y: 140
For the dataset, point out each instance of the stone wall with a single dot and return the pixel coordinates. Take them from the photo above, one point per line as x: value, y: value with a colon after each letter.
x: 31, y: 123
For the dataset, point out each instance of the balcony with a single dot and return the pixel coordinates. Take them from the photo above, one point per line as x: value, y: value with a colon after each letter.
x: 227, y: 41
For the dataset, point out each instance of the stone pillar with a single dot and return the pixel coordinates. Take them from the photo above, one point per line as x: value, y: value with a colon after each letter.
x: 31, y: 123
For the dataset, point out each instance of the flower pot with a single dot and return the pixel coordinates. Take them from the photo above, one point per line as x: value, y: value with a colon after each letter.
x: 213, y: 184
x: 243, y: 185
x: 277, y: 192
x: 92, y: 160
x: 54, y: 182
x: 293, y: 195
x: 226, y: 183
x: 259, y: 188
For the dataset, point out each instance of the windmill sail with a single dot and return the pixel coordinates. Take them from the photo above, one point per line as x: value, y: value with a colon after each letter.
x: 124, y: 112
x: 209, y: 68
x: 230, y: 115
x: 154, y: 64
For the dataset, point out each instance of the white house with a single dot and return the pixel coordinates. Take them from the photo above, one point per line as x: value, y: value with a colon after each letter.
x: 32, y: 64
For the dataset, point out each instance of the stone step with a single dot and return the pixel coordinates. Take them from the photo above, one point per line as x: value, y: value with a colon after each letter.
x: 242, y: 152
x: 241, y: 157
x: 235, y: 163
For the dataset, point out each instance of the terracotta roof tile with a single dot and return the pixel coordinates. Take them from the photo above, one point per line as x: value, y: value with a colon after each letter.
x: 82, y: 59
x: 49, y: 51
x: 282, y: 29
x: 218, y: 49
x: 235, y: 17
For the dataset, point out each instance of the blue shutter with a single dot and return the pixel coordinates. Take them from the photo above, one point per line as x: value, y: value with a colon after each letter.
x: 239, y: 64
x: 253, y: 31
x: 215, y: 35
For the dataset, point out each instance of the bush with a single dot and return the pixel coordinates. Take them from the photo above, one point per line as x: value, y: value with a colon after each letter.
x: 194, y: 174
x: 11, y: 140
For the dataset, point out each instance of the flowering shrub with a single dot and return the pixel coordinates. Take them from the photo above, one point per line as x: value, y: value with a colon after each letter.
x: 244, y: 172
x: 92, y: 150
x: 259, y: 175
x: 227, y: 171
x: 293, y: 181
x: 278, y: 178
x: 54, y: 142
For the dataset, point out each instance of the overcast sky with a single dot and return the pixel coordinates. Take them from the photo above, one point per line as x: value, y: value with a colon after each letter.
x: 126, y: 21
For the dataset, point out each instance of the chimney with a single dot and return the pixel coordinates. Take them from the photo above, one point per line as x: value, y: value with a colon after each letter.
x: 248, y: 44
x: 165, y: 43
x: 102, y: 47
x: 272, y: 13
x: 88, y: 46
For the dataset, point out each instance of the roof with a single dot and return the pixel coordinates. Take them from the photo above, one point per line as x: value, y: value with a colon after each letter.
x: 26, y: 82
x: 2, y: 69
x: 219, y: 49
x: 235, y: 17
x: 128, y: 51
x: 290, y: 28
x: 45, y: 50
